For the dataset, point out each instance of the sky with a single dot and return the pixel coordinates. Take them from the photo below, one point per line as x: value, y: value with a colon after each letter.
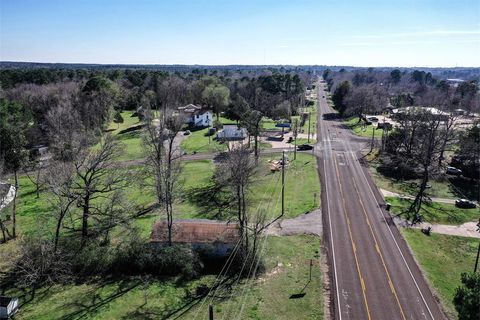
x: 400, y: 33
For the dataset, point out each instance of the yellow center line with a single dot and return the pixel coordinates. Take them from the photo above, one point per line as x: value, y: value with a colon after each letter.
x: 377, y: 247
x: 354, y: 248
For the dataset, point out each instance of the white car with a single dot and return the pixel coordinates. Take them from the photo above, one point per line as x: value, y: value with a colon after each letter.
x: 454, y: 171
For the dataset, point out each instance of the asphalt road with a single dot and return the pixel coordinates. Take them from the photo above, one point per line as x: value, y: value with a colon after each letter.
x: 374, y: 275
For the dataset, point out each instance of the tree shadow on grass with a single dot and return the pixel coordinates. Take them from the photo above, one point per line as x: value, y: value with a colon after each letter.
x: 220, y: 291
x: 96, y: 301
x: 212, y: 200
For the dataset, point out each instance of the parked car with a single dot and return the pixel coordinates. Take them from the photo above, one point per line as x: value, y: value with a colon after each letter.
x: 373, y: 119
x: 186, y: 133
x: 304, y: 147
x: 464, y: 203
x: 454, y: 171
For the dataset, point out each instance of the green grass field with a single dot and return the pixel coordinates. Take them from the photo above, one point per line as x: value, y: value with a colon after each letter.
x: 436, y: 212
x: 450, y: 189
x: 302, y: 193
x: 287, y: 272
x: 302, y: 186
x: 313, y: 120
x: 140, y: 297
x: 199, y: 142
x: 443, y: 258
x: 269, y: 124
x: 360, y: 129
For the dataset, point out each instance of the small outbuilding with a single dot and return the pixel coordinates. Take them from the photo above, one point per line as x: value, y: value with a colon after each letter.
x: 8, y: 307
x: 208, y: 237
x: 232, y: 132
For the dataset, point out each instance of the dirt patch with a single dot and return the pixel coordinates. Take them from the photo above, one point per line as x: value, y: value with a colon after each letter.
x: 309, y: 223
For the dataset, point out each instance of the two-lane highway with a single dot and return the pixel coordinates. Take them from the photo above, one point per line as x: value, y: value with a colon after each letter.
x: 374, y: 275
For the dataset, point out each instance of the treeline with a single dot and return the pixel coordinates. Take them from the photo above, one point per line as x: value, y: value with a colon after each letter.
x: 370, y: 91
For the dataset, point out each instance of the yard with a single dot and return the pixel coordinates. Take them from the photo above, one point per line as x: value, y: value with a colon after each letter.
x: 137, y: 297
x: 443, y: 258
x: 442, y: 187
x: 435, y: 212
x: 313, y: 119
x: 361, y: 129
x: 287, y: 261
x: 198, y: 141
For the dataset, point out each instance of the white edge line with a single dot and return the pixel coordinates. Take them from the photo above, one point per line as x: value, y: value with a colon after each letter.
x: 331, y: 240
x: 393, y: 237
x: 330, y: 225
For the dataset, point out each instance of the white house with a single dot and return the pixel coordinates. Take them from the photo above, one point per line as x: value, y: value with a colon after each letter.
x: 232, y: 132
x: 196, y: 116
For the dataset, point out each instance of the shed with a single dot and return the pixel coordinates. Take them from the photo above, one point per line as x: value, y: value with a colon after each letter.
x: 8, y: 307
x: 232, y: 132
x: 210, y: 237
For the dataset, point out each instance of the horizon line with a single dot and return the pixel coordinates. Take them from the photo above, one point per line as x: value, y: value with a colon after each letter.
x: 240, y: 65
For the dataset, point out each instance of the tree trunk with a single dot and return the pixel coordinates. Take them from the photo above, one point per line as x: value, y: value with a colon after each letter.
x: 85, y: 220
x: 255, y: 137
x: 373, y: 139
x: 417, y: 203
x: 57, y: 232
x: 2, y: 227
x: 14, y: 208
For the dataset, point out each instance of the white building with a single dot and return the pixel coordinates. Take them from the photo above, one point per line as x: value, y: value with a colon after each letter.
x: 196, y: 116
x: 232, y: 132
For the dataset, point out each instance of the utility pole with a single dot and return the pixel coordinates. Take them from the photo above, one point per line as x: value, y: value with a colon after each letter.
x: 309, y: 117
x: 295, y: 134
x: 311, y: 264
x: 283, y: 183
x: 478, y: 251
x: 373, y: 139
x: 208, y: 132
x: 210, y: 312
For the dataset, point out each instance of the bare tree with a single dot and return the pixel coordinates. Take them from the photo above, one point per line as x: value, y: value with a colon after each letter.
x: 163, y: 163
x: 34, y: 170
x: 59, y: 182
x: 426, y: 151
x: 171, y: 93
x: 96, y: 177
x: 236, y: 171
x: 65, y: 131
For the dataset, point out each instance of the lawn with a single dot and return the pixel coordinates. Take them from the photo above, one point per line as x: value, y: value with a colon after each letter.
x: 129, y: 134
x: 436, y: 212
x: 302, y: 193
x: 313, y: 120
x: 128, y: 121
x: 452, y: 188
x: 287, y: 265
x: 269, y: 124
x: 360, y: 129
x: 443, y: 258
x: 198, y: 141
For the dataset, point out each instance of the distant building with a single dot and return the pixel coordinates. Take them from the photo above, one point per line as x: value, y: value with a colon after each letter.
x: 196, y: 116
x: 454, y: 82
x: 232, y: 132
x: 210, y: 237
x: 414, y: 111
x: 460, y: 112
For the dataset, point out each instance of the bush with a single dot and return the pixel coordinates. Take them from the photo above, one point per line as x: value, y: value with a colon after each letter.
x: 398, y: 169
x: 467, y: 297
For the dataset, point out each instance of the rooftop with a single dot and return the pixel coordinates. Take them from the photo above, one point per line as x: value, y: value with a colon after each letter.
x: 196, y: 231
